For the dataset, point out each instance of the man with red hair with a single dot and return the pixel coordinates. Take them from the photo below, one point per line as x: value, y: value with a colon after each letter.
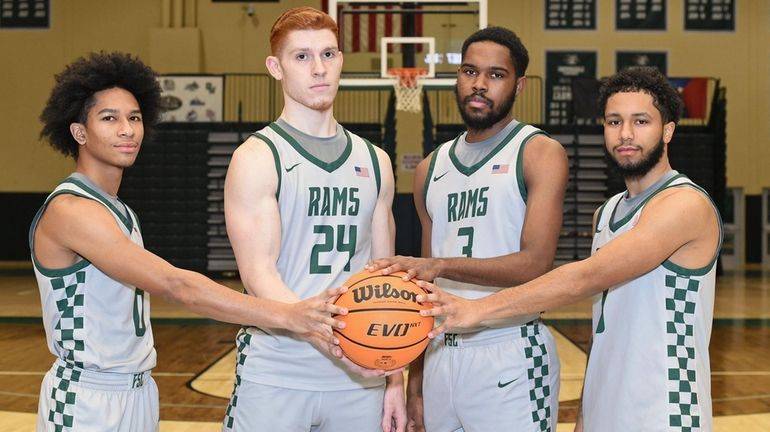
x: 307, y: 204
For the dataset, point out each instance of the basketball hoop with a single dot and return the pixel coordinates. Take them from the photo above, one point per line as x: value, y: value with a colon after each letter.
x: 408, y: 88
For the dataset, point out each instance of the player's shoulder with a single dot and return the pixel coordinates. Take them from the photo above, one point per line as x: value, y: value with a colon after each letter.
x: 254, y: 141
x: 543, y: 141
x: 424, y: 164
x: 68, y: 202
x: 253, y: 147
x: 383, y: 158
x: 66, y: 209
x: 381, y: 154
x: 543, y: 153
x: 686, y: 205
x: 683, y: 195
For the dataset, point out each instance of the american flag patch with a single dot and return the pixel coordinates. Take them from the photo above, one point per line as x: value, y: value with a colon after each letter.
x: 362, y: 171
x: 499, y: 169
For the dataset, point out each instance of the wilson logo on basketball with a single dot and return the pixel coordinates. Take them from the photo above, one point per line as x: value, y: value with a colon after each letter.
x: 397, y: 330
x: 384, y: 291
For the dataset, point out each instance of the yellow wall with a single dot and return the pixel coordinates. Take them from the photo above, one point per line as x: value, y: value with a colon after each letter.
x: 227, y: 40
x: 740, y: 59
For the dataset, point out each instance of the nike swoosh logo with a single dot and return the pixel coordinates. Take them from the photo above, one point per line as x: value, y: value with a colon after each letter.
x: 501, y: 384
x: 437, y: 178
x: 292, y: 167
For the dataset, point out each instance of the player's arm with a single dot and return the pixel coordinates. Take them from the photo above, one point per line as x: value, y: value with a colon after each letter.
x: 545, y: 175
x: 414, y: 399
x: 383, y: 224
x: 679, y: 225
x: 74, y: 226
x: 254, y: 228
x: 383, y: 244
x: 253, y: 220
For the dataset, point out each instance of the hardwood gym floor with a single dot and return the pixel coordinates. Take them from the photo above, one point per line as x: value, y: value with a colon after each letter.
x: 195, y: 362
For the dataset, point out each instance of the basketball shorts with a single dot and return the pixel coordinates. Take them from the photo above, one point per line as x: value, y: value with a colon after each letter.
x: 503, y: 379
x: 266, y: 408
x: 80, y: 400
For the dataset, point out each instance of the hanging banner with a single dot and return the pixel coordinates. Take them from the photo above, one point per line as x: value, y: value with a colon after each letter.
x: 570, y: 14
x: 562, y: 68
x: 25, y: 14
x: 640, y: 14
x: 713, y: 15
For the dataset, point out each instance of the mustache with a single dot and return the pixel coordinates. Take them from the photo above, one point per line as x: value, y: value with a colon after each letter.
x: 630, y: 144
x: 478, y: 96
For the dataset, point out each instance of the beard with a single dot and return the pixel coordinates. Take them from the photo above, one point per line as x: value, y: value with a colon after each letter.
x: 486, y: 121
x: 635, y: 170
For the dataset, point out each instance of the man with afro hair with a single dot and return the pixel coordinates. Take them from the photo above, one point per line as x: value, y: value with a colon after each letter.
x: 93, y: 271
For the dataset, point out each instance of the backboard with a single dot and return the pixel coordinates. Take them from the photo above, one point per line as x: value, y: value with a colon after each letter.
x: 378, y: 35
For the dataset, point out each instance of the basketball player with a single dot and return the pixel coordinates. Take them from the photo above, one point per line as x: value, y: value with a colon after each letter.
x: 652, y: 274
x: 307, y: 204
x: 490, y: 204
x: 93, y: 271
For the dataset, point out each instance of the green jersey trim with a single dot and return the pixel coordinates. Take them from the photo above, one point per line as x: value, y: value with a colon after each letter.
x: 134, y: 217
x: 684, y: 271
x: 328, y: 167
x: 520, y: 165
x: 468, y: 171
x: 614, y: 226
x: 45, y: 271
x: 433, y: 156
x: 276, y: 160
x: 129, y: 224
x: 599, y: 216
x: 375, y: 164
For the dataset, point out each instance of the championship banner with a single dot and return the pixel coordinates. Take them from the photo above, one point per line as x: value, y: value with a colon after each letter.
x: 563, y: 68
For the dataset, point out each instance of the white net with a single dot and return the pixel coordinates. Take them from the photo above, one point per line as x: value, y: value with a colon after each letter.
x: 408, y: 89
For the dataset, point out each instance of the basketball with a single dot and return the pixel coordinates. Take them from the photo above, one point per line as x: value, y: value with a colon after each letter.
x: 384, y: 328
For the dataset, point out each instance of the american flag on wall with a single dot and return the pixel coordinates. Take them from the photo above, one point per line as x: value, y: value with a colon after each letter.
x: 361, y: 32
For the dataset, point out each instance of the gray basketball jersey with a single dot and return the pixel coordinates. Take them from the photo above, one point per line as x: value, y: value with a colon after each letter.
x: 91, y: 320
x: 326, y: 212
x: 649, y: 364
x: 478, y: 211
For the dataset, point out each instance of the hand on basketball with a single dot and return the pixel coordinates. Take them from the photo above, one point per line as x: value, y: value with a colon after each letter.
x: 458, y: 313
x: 314, y: 314
x: 415, y: 268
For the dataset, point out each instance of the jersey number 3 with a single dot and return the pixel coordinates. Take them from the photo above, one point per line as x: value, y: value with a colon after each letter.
x: 328, y: 244
x: 467, y: 250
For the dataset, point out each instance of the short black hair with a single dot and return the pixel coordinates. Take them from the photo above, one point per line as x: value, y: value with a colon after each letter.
x: 73, y: 94
x: 502, y: 36
x: 647, y: 80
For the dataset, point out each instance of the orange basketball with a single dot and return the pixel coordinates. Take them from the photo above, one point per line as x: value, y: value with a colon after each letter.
x: 384, y: 328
